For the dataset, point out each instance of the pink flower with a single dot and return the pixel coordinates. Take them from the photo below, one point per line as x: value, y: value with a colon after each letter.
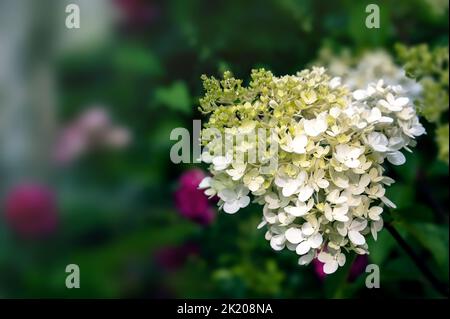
x: 357, y: 268
x: 94, y: 120
x: 190, y: 201
x: 137, y: 13
x: 70, y: 145
x: 117, y: 138
x: 92, y: 129
x: 318, y: 268
x: 31, y: 210
x: 173, y: 257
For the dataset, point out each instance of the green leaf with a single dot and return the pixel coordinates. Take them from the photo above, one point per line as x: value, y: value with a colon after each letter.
x: 402, y: 195
x: 101, y: 266
x: 175, y: 97
x: 394, y: 270
x: 138, y: 60
x: 434, y: 238
x: 336, y: 285
x: 381, y: 248
x: 360, y: 33
x: 418, y: 213
x: 408, y: 171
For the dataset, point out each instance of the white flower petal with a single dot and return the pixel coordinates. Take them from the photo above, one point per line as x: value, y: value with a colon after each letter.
x: 330, y: 267
x: 315, y: 240
x: 275, y: 244
x: 294, y: 235
x: 396, y: 158
x: 205, y: 183
x: 227, y: 195
x: 303, y: 248
x: 305, y: 192
x: 244, y: 201
x: 360, y: 95
x: 374, y: 212
x: 307, y: 229
x: 289, y: 189
x: 261, y: 224
x: 231, y: 207
x: 324, y: 257
x: 298, y: 144
x: 341, y: 259
x: 401, y: 101
x: 388, y: 202
x: 356, y: 238
x: 306, y: 259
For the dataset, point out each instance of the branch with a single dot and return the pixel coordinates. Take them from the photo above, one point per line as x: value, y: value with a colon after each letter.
x: 439, y: 286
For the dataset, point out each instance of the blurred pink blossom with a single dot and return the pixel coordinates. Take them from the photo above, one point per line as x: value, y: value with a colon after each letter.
x: 31, y: 210
x: 71, y: 144
x: 137, y: 13
x: 318, y: 268
x: 190, y: 201
x: 92, y: 129
x: 357, y: 268
x: 94, y: 120
x: 173, y: 257
x: 117, y: 137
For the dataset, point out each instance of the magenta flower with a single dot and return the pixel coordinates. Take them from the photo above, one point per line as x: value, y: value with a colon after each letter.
x: 31, y: 211
x: 357, y: 268
x: 318, y: 268
x: 190, y: 201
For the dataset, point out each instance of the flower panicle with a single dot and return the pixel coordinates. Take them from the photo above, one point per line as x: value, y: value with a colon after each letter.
x: 325, y: 192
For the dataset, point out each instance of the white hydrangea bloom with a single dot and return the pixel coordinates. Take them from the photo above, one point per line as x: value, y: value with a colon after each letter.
x: 371, y: 66
x: 327, y: 192
x: 233, y: 199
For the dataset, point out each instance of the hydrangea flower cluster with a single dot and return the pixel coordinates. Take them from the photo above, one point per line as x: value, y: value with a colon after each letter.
x: 326, y: 193
x: 357, y: 72
x: 430, y: 68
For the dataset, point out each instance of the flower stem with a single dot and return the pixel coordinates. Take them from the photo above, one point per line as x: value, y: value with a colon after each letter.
x: 440, y: 287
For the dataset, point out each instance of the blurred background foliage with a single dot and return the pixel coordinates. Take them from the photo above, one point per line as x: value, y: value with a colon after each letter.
x: 130, y: 75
